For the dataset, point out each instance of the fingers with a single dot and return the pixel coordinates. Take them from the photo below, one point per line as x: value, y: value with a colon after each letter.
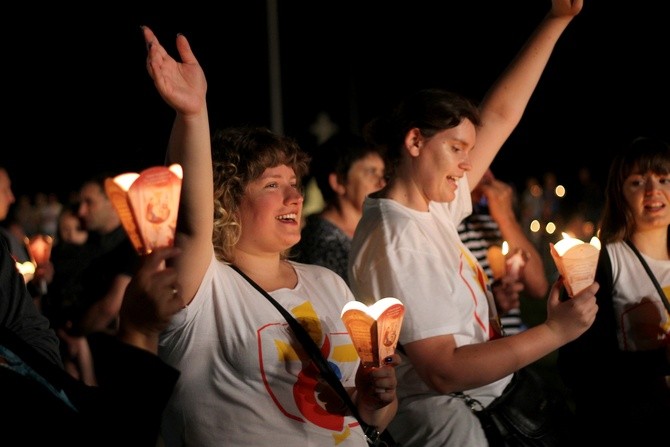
x: 393, y: 360
x: 385, y: 383
x: 555, y: 292
x: 154, y: 47
x: 149, y: 36
x: 156, y: 54
x: 184, y: 49
x: 156, y: 259
x: 588, y: 292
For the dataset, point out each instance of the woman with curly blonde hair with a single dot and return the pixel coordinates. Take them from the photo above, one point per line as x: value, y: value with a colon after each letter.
x: 246, y: 379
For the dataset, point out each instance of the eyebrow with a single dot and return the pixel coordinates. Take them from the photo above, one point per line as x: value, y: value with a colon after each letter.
x: 275, y: 176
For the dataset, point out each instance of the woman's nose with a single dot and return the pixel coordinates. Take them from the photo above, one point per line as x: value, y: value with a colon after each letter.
x: 465, y: 164
x: 294, y: 196
x: 651, y: 184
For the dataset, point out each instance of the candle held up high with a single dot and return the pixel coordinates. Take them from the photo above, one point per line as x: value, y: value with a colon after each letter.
x: 147, y: 204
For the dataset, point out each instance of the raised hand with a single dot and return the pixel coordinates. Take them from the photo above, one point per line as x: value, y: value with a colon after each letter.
x: 567, y: 8
x: 181, y: 84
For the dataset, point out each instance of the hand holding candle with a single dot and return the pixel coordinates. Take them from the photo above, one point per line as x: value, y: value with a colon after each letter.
x: 39, y: 247
x: 504, y: 262
x: 514, y: 261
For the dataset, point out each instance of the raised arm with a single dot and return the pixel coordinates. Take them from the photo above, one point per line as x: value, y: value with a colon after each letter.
x: 500, y: 197
x: 505, y: 102
x: 183, y: 87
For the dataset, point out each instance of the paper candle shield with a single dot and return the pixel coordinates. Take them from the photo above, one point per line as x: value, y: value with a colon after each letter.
x: 147, y: 204
x: 576, y: 262
x: 374, y: 330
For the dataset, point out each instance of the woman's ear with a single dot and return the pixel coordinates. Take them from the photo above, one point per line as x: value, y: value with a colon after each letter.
x: 413, y: 141
x: 335, y: 184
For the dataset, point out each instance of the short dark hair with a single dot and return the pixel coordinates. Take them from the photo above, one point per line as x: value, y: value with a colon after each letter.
x: 430, y: 110
x: 336, y: 155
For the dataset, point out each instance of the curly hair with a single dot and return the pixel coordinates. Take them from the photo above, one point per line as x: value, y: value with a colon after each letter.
x: 239, y: 156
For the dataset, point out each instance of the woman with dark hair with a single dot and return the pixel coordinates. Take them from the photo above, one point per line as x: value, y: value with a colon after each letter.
x: 618, y: 370
x: 346, y: 170
x: 439, y: 145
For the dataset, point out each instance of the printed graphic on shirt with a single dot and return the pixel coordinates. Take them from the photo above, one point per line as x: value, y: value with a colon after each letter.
x: 479, y: 278
x: 645, y: 325
x: 312, y: 400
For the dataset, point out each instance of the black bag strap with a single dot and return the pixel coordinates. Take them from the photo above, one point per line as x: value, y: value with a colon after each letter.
x: 651, y: 275
x: 372, y: 435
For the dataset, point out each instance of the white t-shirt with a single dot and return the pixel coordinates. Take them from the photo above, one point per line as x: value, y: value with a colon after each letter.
x: 244, y: 380
x: 642, y: 320
x: 418, y: 257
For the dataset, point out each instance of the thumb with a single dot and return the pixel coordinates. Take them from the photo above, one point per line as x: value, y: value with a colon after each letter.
x: 184, y: 49
x: 555, y: 292
x: 156, y: 259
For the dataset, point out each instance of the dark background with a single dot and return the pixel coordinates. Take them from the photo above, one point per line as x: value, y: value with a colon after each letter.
x: 78, y: 99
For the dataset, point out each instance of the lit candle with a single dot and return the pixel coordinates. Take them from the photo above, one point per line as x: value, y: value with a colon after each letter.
x: 514, y: 262
x: 40, y: 248
x: 576, y: 262
x: 496, y: 260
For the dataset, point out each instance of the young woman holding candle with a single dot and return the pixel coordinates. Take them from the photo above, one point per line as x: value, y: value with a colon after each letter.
x: 407, y: 246
x: 618, y: 370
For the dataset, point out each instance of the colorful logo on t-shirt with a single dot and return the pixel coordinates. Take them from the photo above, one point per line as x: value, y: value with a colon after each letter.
x: 491, y: 322
x: 307, y: 398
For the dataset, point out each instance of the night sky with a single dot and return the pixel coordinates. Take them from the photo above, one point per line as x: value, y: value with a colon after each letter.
x: 78, y: 99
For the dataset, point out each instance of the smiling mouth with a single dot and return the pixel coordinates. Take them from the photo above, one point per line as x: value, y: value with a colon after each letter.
x: 654, y: 206
x: 291, y: 217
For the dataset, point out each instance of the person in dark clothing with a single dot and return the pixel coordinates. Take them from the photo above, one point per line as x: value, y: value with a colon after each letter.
x: 42, y: 403
x: 346, y: 170
x: 19, y: 314
x: 619, y: 370
x: 86, y: 298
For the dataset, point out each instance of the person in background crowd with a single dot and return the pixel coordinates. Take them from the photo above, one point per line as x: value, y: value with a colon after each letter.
x: 14, y: 235
x: 70, y: 229
x: 20, y: 316
x: 90, y: 292
x: 15, y: 244
x: 42, y: 404
x: 67, y: 255
x: 618, y: 370
x: 346, y: 170
x: 493, y: 221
